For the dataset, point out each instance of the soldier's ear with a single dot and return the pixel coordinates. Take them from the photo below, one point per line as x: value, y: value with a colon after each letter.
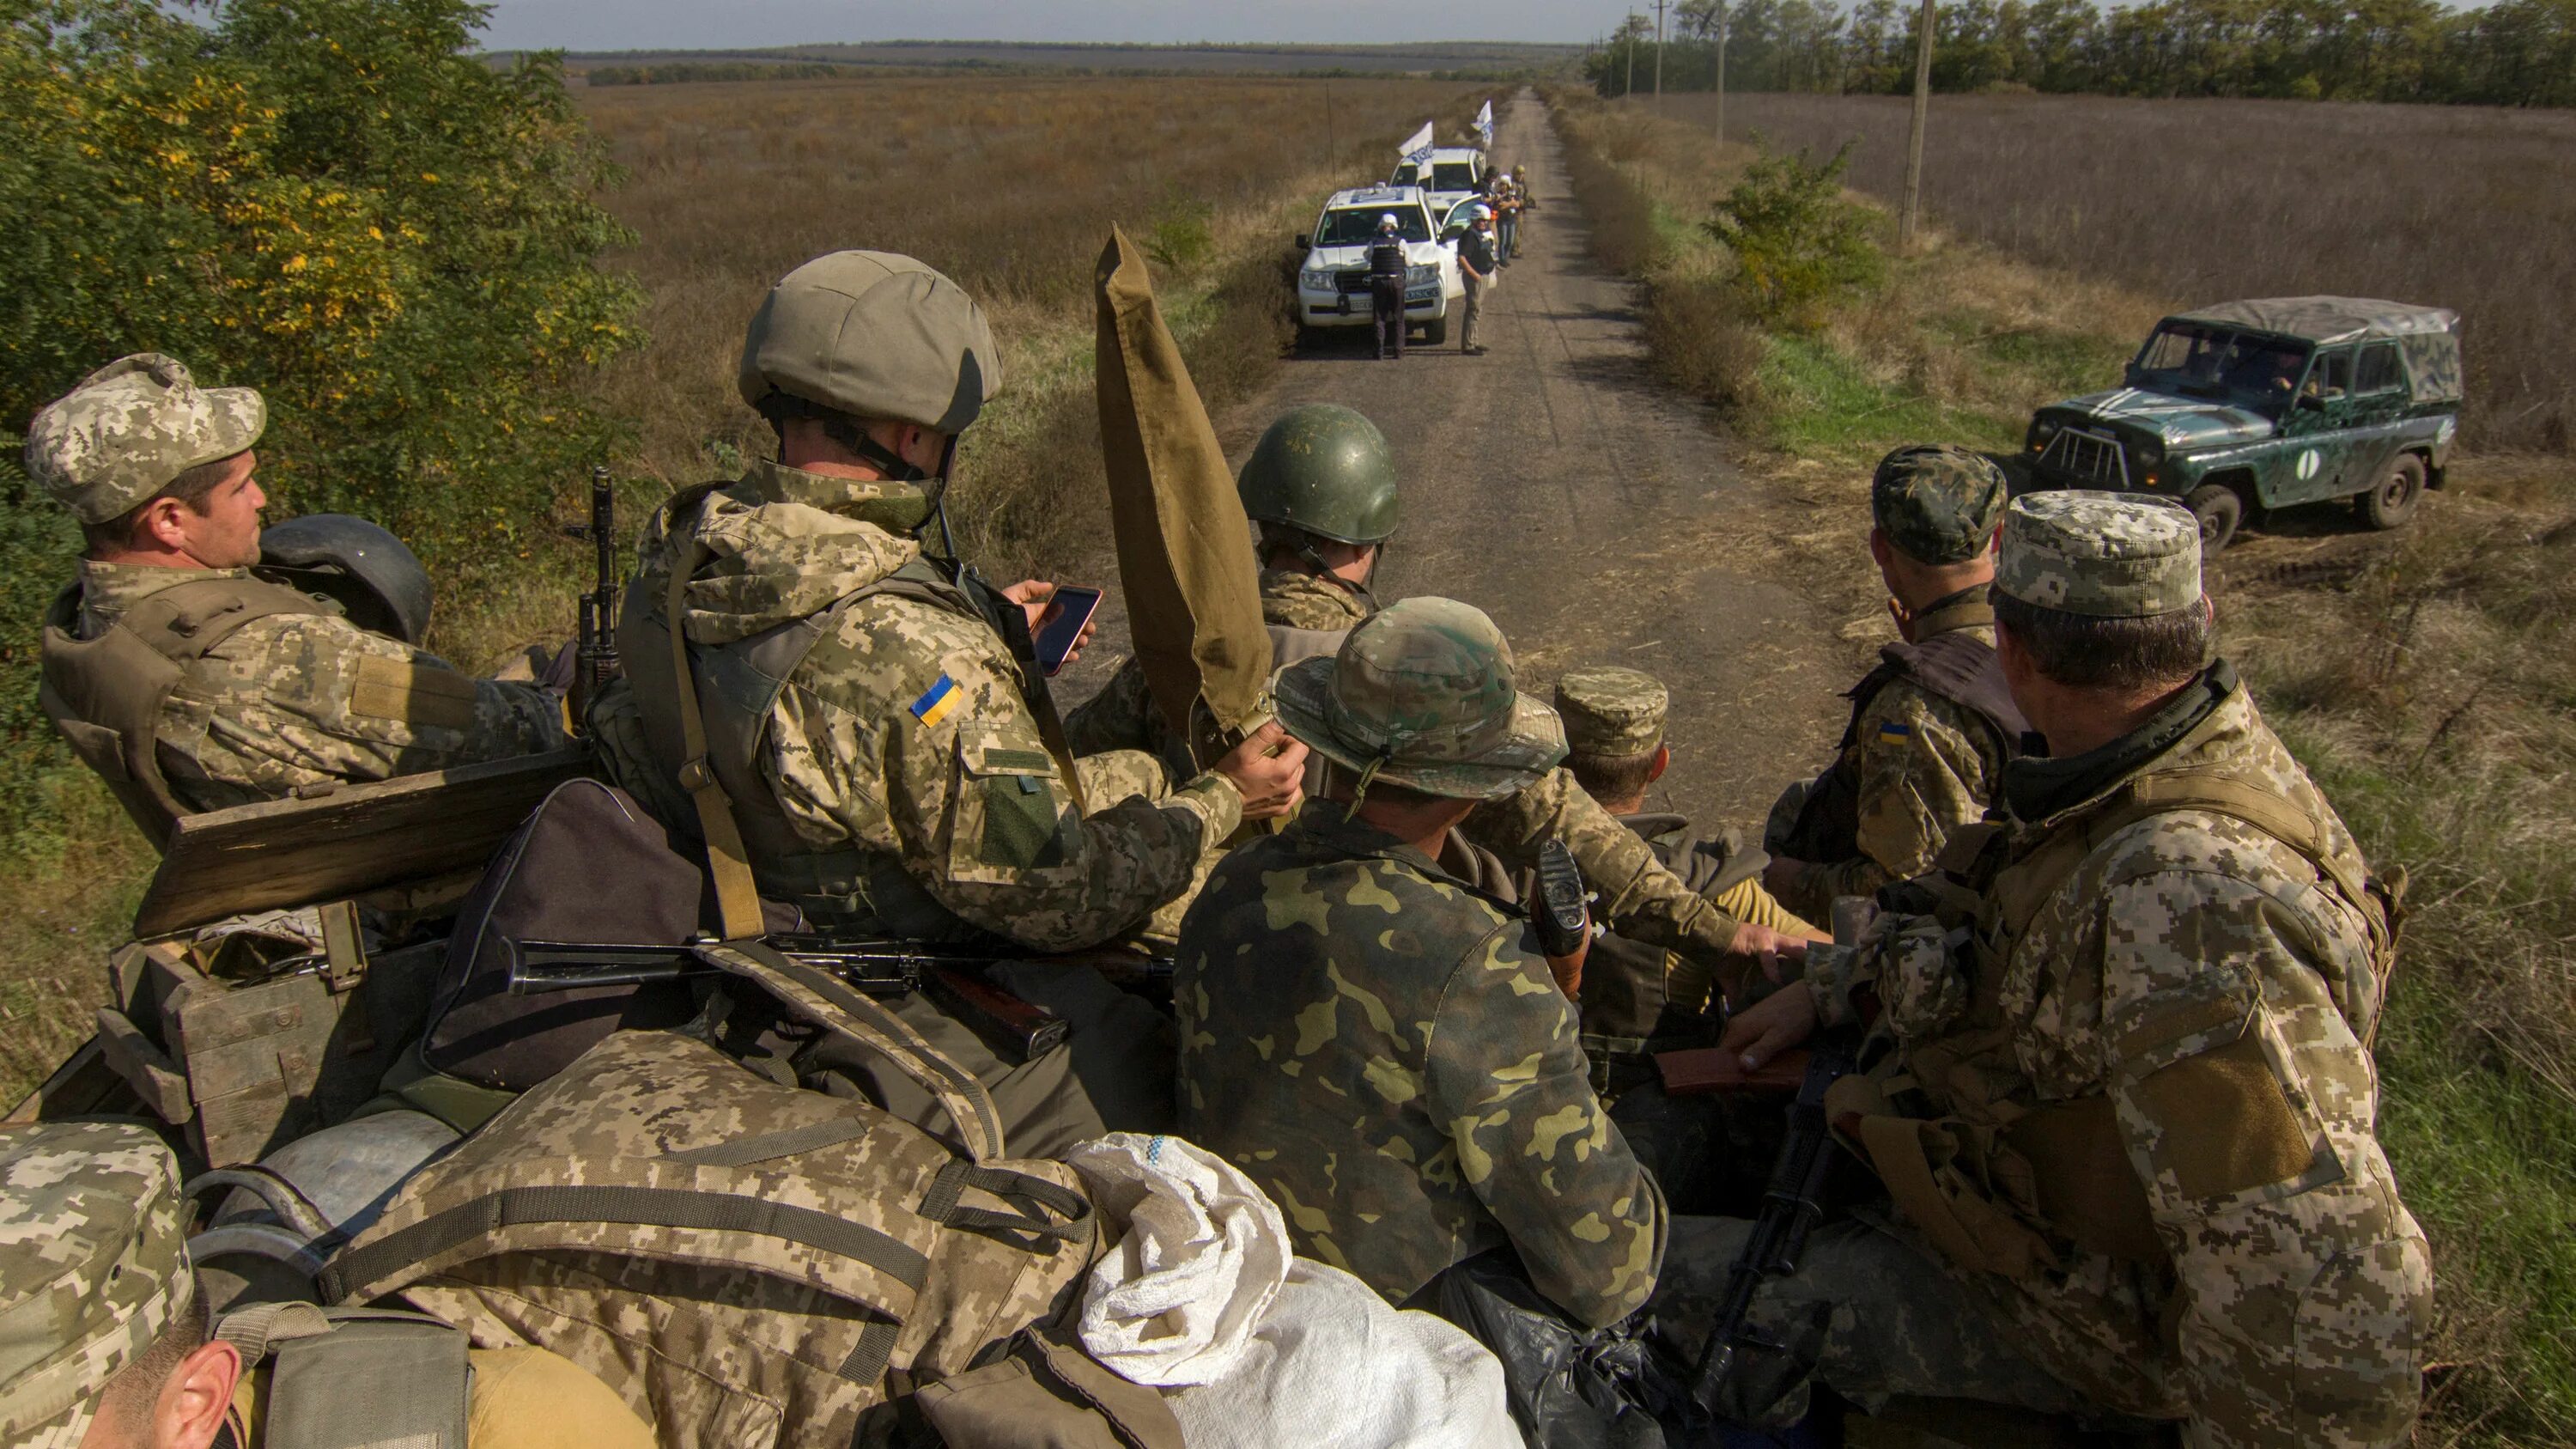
x: 198, y: 1399
x: 1663, y: 762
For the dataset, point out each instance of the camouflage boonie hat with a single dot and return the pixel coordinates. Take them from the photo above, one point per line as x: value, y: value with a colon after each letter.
x: 1421, y: 695
x: 1609, y: 711
x: 130, y: 428
x: 874, y: 335
x: 1936, y: 502
x: 2108, y: 555
x: 93, y: 1266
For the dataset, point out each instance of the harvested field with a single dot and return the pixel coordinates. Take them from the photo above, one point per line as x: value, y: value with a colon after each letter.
x: 2193, y: 201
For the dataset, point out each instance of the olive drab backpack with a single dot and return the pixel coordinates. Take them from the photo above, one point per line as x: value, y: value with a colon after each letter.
x: 746, y: 1263
x: 409, y: 1372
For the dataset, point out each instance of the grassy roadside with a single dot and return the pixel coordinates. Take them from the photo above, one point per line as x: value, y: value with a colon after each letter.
x: 2427, y: 679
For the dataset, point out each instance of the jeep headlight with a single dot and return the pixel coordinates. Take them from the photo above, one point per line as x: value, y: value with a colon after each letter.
x: 1419, y: 275
x: 1315, y: 281
x: 2151, y: 451
x: 2041, y: 430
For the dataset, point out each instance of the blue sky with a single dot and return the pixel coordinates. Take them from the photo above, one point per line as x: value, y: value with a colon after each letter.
x: 695, y: 24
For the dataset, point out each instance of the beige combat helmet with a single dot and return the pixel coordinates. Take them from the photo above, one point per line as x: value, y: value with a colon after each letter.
x: 2103, y: 555
x: 132, y: 427
x: 93, y: 1266
x: 1422, y: 695
x: 874, y: 335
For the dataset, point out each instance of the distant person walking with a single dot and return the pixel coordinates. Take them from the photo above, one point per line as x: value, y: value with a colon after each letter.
x: 1386, y: 270
x: 1476, y: 265
x: 1506, y: 201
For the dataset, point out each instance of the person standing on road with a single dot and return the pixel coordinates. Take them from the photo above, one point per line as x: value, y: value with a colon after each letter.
x: 1386, y: 272
x: 1476, y: 264
x: 1507, y: 218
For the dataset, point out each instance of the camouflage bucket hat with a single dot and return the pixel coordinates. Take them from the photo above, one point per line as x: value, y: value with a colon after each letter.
x: 130, y: 428
x: 93, y: 1266
x: 874, y: 335
x: 2107, y: 555
x: 1609, y: 711
x: 1936, y: 502
x: 1421, y: 695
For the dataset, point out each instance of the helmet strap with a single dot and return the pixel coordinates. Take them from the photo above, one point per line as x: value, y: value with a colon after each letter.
x: 1368, y: 776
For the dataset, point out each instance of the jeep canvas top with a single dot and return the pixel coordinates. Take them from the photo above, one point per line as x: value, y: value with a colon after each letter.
x: 2263, y: 404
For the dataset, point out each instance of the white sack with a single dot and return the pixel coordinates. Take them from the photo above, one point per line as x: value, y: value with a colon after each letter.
x: 1176, y: 1299
x: 1333, y: 1364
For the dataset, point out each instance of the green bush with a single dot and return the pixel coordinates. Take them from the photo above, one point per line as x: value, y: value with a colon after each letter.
x: 1798, y: 242
x: 1182, y: 235
x: 335, y: 202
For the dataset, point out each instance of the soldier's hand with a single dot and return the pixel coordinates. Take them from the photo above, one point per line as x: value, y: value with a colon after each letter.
x: 1779, y: 956
x: 1032, y: 596
x: 1269, y: 770
x: 1779, y: 1021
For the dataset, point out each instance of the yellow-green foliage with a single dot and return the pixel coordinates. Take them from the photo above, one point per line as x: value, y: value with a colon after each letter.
x: 331, y: 201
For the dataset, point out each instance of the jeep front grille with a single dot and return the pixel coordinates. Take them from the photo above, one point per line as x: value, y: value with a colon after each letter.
x: 2090, y: 457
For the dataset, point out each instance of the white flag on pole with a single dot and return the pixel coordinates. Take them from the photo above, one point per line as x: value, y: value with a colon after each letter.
x: 1417, y: 147
x: 1485, y: 123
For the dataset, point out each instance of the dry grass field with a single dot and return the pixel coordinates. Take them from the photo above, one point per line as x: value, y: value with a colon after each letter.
x: 1009, y: 185
x: 2198, y: 201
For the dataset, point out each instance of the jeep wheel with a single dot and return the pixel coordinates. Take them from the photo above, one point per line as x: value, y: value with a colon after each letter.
x: 2393, y: 500
x: 1435, y: 331
x: 2219, y: 510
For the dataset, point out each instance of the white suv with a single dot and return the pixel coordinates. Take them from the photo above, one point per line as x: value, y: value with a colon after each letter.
x: 1456, y: 174
x: 1333, y: 285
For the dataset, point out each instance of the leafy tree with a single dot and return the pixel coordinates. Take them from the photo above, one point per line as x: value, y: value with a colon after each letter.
x: 1798, y: 242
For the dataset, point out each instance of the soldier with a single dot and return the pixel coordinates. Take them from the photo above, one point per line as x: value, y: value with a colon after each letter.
x: 2126, y: 1123
x: 1387, y: 269
x: 111, y: 1347
x: 860, y: 717
x: 1931, y: 726
x: 1506, y: 200
x: 1412, y: 1094
x: 1321, y: 487
x: 186, y: 681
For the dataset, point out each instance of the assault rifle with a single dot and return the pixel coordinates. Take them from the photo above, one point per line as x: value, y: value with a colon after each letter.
x: 1792, y: 1205
x: 596, y: 663
x: 1561, y: 914
x: 951, y: 976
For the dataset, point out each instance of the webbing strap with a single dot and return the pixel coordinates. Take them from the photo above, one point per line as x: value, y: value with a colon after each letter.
x: 870, y: 1355
x: 397, y: 1257
x: 940, y: 1202
x: 728, y: 864
x: 767, y: 1146
x: 254, y: 1330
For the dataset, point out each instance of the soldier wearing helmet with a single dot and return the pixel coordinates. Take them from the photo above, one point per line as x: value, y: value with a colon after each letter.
x: 864, y: 722
x: 1388, y: 268
x: 1320, y: 485
x: 1477, y: 265
x: 1932, y: 725
x: 1414, y: 1095
x: 190, y: 679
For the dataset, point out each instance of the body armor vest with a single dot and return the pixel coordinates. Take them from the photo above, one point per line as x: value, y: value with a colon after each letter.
x: 106, y: 694
x: 354, y: 1378
x: 1953, y: 664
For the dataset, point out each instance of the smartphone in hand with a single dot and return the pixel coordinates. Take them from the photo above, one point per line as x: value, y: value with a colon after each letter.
x: 1068, y: 612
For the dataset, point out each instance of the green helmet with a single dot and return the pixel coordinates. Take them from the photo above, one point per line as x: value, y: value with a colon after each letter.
x: 1324, y: 469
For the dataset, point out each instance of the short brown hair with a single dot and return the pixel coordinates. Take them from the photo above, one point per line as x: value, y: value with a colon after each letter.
x: 1614, y: 777
x: 191, y: 488
x: 2126, y: 655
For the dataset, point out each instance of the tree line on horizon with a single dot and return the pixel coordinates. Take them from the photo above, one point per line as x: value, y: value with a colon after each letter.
x: 2510, y: 53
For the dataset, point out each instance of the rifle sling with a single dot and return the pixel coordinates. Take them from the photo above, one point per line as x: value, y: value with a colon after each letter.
x: 728, y: 864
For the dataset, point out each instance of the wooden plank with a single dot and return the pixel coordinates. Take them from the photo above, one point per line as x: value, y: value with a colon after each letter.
x: 356, y: 838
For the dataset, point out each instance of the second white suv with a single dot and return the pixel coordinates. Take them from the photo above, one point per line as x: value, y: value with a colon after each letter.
x: 1452, y: 175
x: 1333, y: 284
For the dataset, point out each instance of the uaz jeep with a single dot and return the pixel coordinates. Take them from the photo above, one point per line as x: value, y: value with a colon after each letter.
x: 2259, y: 405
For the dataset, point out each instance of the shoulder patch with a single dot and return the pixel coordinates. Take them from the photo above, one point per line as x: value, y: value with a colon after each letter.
x: 413, y: 693
x: 1891, y: 730
x: 938, y: 701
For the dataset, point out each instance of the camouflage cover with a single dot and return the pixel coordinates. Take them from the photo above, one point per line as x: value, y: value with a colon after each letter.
x: 132, y: 427
x: 2429, y: 336
x: 2104, y: 555
x: 744, y: 1262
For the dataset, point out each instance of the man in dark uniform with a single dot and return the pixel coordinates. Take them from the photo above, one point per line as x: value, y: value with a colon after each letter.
x: 1387, y: 264
x: 1476, y: 266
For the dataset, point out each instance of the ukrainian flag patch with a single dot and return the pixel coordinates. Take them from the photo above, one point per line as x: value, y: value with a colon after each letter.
x: 937, y: 702
x: 1887, y: 730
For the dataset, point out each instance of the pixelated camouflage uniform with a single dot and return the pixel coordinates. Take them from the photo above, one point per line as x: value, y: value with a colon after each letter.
x: 1384, y: 1051
x: 900, y: 807
x: 295, y: 700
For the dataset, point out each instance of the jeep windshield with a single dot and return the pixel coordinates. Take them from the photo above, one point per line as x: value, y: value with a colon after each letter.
x: 1356, y: 226
x: 2195, y: 359
x: 1445, y: 176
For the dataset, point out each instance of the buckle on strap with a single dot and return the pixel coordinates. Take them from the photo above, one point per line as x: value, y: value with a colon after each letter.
x: 697, y: 775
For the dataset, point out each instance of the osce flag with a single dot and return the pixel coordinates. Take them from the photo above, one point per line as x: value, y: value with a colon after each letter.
x: 1417, y: 147
x: 1485, y: 123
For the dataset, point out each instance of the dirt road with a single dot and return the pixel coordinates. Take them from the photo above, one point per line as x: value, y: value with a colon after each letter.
x: 1554, y: 484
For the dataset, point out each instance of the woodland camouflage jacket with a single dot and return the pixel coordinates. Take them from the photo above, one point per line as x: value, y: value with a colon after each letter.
x: 2217, y: 988
x: 306, y: 699
x: 1384, y: 1051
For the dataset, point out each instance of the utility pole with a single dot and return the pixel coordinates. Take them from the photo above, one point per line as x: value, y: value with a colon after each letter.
x: 1721, y: 72
x: 1332, y: 157
x: 1659, y: 54
x: 1910, y: 219
x: 1629, y: 87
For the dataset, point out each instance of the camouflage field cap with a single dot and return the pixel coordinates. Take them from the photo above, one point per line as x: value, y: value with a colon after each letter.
x: 130, y: 428
x: 93, y: 1266
x: 1938, y: 503
x: 2108, y: 555
x: 1609, y: 711
x: 874, y: 335
x: 1422, y: 695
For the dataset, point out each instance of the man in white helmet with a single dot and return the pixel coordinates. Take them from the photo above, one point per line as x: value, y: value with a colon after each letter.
x: 1477, y: 264
x: 1387, y: 264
